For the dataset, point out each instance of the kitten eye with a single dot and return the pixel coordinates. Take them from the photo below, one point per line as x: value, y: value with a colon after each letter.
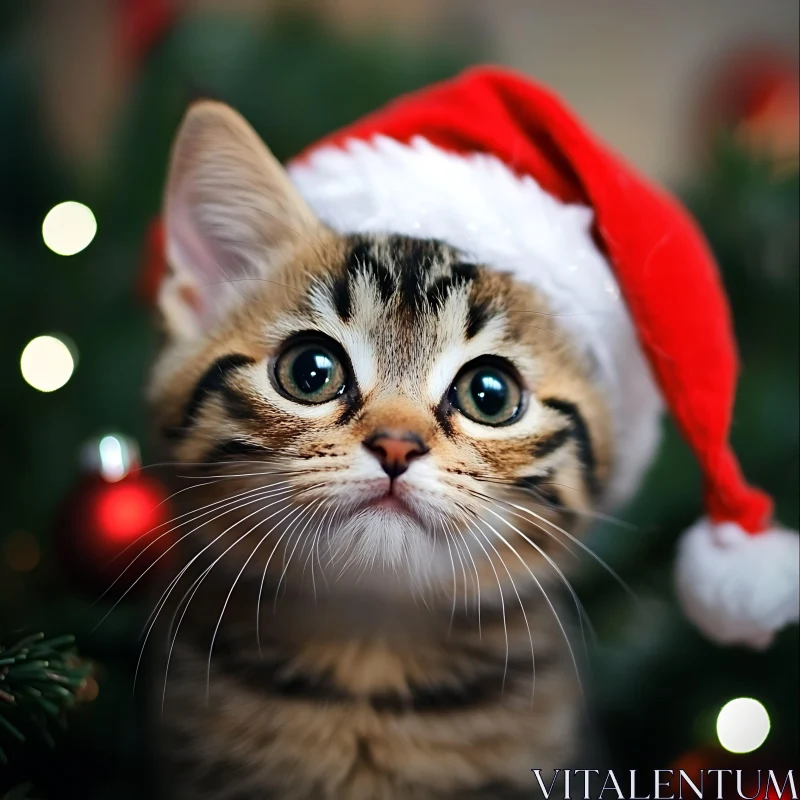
x: 486, y: 393
x: 310, y: 372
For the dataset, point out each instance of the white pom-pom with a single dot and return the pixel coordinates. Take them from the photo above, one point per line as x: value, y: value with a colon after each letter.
x: 736, y: 587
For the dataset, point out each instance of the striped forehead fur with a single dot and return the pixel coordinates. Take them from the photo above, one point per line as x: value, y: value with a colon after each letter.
x: 414, y: 275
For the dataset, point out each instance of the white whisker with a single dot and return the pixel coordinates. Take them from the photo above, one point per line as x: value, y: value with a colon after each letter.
x: 521, y: 605
x: 166, y: 594
x: 298, y: 513
x: 576, y: 541
x: 502, y: 600
x: 455, y: 588
x: 477, y: 580
x: 310, y: 557
x: 446, y: 522
x: 538, y: 583
x: 288, y: 560
x: 233, y: 587
x: 194, y: 516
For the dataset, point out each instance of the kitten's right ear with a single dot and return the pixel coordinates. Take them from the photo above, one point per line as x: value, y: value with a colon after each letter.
x: 230, y: 212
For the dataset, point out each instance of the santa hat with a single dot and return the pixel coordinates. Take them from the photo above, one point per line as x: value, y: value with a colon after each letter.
x: 497, y: 166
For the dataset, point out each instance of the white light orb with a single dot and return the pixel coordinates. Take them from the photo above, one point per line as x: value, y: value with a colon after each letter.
x: 742, y: 725
x: 112, y: 458
x: 68, y: 228
x: 46, y: 363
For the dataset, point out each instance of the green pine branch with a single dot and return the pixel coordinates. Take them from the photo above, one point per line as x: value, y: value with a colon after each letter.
x: 39, y: 680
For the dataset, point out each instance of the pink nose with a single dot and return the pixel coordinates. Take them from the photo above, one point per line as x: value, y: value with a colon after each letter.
x: 395, y: 449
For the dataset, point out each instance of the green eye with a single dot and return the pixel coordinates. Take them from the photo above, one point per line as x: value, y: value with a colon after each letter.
x: 487, y: 394
x: 310, y: 372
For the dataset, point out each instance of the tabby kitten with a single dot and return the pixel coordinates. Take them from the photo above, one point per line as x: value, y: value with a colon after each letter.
x: 392, y: 450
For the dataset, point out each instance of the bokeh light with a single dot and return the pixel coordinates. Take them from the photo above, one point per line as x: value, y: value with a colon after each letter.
x: 21, y: 551
x: 112, y: 458
x: 742, y: 725
x: 46, y: 363
x: 68, y: 228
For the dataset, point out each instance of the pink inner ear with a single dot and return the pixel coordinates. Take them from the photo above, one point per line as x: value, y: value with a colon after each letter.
x: 190, y: 252
x: 192, y: 299
x: 229, y: 204
x: 195, y: 258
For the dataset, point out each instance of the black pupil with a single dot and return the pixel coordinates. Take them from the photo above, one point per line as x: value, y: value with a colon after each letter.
x: 489, y: 392
x: 311, y: 371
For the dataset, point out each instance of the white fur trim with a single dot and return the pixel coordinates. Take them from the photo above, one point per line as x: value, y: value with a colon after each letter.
x: 477, y: 204
x: 738, y: 587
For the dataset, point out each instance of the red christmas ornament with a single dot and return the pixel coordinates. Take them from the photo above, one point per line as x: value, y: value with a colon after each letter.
x: 748, y: 772
x: 756, y: 98
x: 142, y: 24
x: 113, y: 524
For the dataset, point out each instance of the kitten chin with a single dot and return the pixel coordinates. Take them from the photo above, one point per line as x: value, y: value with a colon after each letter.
x: 386, y: 550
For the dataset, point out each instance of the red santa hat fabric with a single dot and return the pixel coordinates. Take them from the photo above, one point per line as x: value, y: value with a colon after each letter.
x: 498, y: 166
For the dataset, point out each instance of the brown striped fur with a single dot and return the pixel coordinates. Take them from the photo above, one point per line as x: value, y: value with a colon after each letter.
x: 383, y: 658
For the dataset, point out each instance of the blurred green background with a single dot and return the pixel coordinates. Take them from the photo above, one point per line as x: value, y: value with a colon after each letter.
x: 655, y: 685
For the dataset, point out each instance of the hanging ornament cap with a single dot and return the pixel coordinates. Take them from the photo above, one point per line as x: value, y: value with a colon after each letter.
x: 114, y: 519
x: 112, y: 455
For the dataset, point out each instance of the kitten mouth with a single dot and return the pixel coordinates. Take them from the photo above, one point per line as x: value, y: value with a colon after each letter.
x: 391, y: 501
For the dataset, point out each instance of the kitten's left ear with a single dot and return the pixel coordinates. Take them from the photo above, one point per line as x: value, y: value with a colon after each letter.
x: 230, y: 214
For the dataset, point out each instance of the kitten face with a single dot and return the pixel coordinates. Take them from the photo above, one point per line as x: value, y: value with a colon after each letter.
x: 375, y: 407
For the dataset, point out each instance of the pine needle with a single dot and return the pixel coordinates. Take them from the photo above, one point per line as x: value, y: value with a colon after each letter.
x: 40, y: 679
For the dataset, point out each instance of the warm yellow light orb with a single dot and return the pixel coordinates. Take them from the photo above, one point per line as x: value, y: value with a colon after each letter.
x: 46, y: 363
x: 68, y: 228
x: 742, y: 725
